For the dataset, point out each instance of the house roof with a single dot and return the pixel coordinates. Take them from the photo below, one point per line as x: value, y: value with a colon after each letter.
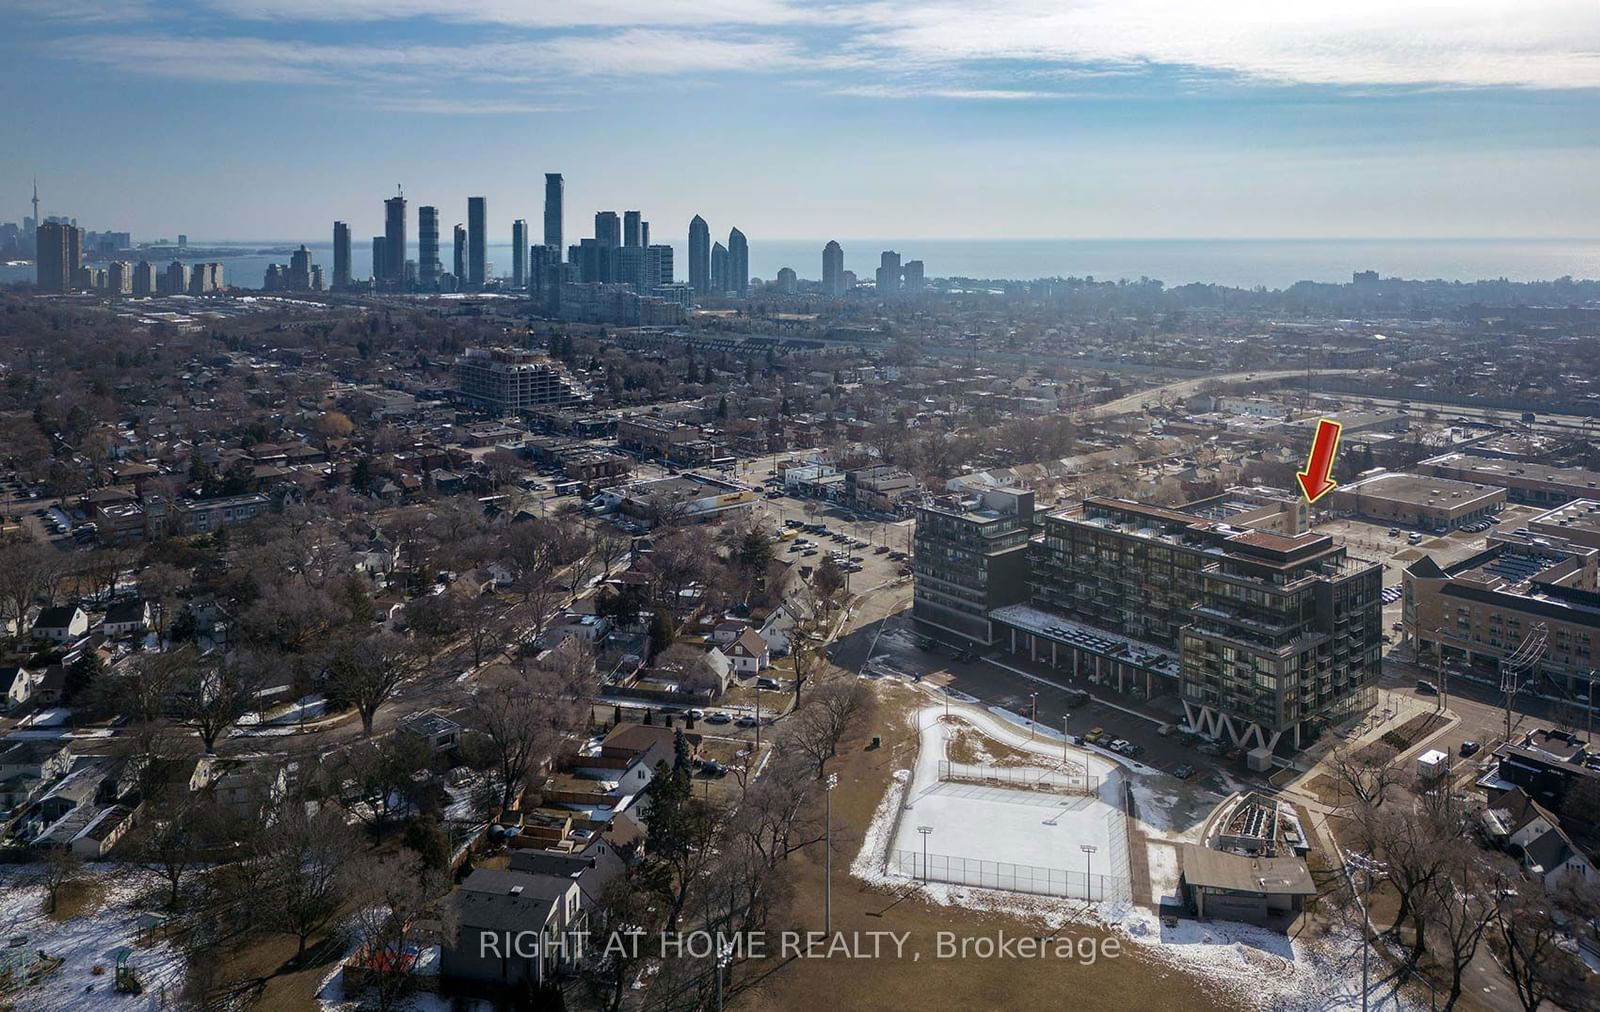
x: 497, y: 900
x: 1217, y: 869
x: 1550, y: 851
x: 638, y: 738
x: 56, y: 617
x: 749, y: 643
x: 1514, y: 809
x: 125, y: 612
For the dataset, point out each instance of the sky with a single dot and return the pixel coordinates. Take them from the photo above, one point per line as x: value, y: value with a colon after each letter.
x: 269, y: 119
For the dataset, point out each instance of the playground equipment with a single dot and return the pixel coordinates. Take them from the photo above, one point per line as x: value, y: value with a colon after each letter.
x: 127, y: 981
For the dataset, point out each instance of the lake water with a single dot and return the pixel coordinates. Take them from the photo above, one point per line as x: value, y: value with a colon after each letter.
x: 1242, y: 263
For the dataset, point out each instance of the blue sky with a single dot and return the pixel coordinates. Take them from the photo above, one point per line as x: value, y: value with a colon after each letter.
x: 909, y: 118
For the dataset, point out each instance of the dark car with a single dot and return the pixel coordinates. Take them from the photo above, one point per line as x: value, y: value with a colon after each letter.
x: 1426, y: 687
x: 1469, y: 748
x: 1183, y: 772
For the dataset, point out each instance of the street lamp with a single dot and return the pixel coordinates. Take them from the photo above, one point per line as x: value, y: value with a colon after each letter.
x: 1088, y: 869
x: 925, y: 831
x: 827, y: 824
x: 1033, y: 718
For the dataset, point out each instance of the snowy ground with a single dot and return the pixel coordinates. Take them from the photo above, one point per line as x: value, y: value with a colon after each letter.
x: 89, y: 940
x: 992, y: 823
x: 1256, y: 968
x: 1164, y: 867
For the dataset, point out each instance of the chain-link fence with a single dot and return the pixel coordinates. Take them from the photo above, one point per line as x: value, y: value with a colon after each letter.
x: 1066, y: 781
x: 1018, y: 878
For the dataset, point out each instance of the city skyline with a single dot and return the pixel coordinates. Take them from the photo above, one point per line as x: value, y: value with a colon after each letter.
x: 1020, y: 120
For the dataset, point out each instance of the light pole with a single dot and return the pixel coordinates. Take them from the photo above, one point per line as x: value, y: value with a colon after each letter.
x: 1367, y: 866
x: 827, y: 824
x: 926, y: 831
x: 1088, y: 869
x: 1033, y: 716
x: 947, y: 702
x: 758, y: 714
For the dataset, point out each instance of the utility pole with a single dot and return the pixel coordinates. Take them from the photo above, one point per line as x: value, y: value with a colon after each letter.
x: 1033, y: 719
x: 926, y: 831
x: 1088, y: 869
x: 1367, y: 865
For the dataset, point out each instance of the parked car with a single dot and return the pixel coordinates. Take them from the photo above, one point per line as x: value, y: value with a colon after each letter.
x: 1426, y: 687
x: 712, y: 768
x: 695, y: 713
x: 1469, y: 748
x: 1183, y: 772
x: 746, y: 721
x: 719, y: 718
x: 768, y: 683
x: 1095, y: 734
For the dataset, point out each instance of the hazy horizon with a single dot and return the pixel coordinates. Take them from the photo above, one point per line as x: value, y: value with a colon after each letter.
x: 1139, y: 119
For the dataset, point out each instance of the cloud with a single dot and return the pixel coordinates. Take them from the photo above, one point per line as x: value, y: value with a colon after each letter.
x: 526, y: 13
x: 631, y: 53
x: 969, y: 94
x: 1473, y: 43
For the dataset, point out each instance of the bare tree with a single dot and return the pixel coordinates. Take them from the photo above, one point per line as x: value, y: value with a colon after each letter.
x: 1363, y: 776
x: 1416, y: 852
x: 402, y: 906
x: 366, y: 672
x: 216, y: 691
x: 370, y: 779
x: 816, y: 729
x: 28, y: 572
x: 517, y: 722
x: 1462, y: 903
x: 484, y: 619
x: 1532, y: 947
x: 173, y: 841
x: 160, y: 584
x: 61, y: 867
x: 309, y: 857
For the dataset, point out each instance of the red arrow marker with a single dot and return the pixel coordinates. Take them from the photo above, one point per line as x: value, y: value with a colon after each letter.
x: 1316, y: 480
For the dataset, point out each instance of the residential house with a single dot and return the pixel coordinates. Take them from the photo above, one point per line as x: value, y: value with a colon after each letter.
x: 749, y: 653
x: 514, y: 929
x: 439, y: 732
x: 103, y: 831
x: 60, y: 624
x: 127, y: 618
x: 18, y: 684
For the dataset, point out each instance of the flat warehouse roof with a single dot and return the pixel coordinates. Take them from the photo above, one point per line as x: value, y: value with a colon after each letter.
x: 1423, y: 490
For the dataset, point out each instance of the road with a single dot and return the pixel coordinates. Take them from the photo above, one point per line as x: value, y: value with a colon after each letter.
x: 1183, y: 388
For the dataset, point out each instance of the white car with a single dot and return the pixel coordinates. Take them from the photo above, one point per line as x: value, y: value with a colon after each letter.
x: 695, y: 713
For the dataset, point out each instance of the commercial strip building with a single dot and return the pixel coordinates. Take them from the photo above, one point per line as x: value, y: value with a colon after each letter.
x: 1262, y: 635
x: 1424, y: 501
x: 683, y: 498
x: 1529, y: 595
x: 1524, y: 482
x: 505, y: 381
x: 1578, y: 521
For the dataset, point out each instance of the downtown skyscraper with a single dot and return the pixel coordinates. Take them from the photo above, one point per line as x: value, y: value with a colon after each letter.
x: 833, y: 269
x: 608, y: 228
x: 477, y: 241
x: 461, y: 256
x: 58, y: 255
x: 699, y: 255
x: 631, y: 222
x: 738, y: 263
x: 428, y: 266
x: 554, y: 189
x: 341, y: 256
x: 519, y: 254
x: 394, y: 241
